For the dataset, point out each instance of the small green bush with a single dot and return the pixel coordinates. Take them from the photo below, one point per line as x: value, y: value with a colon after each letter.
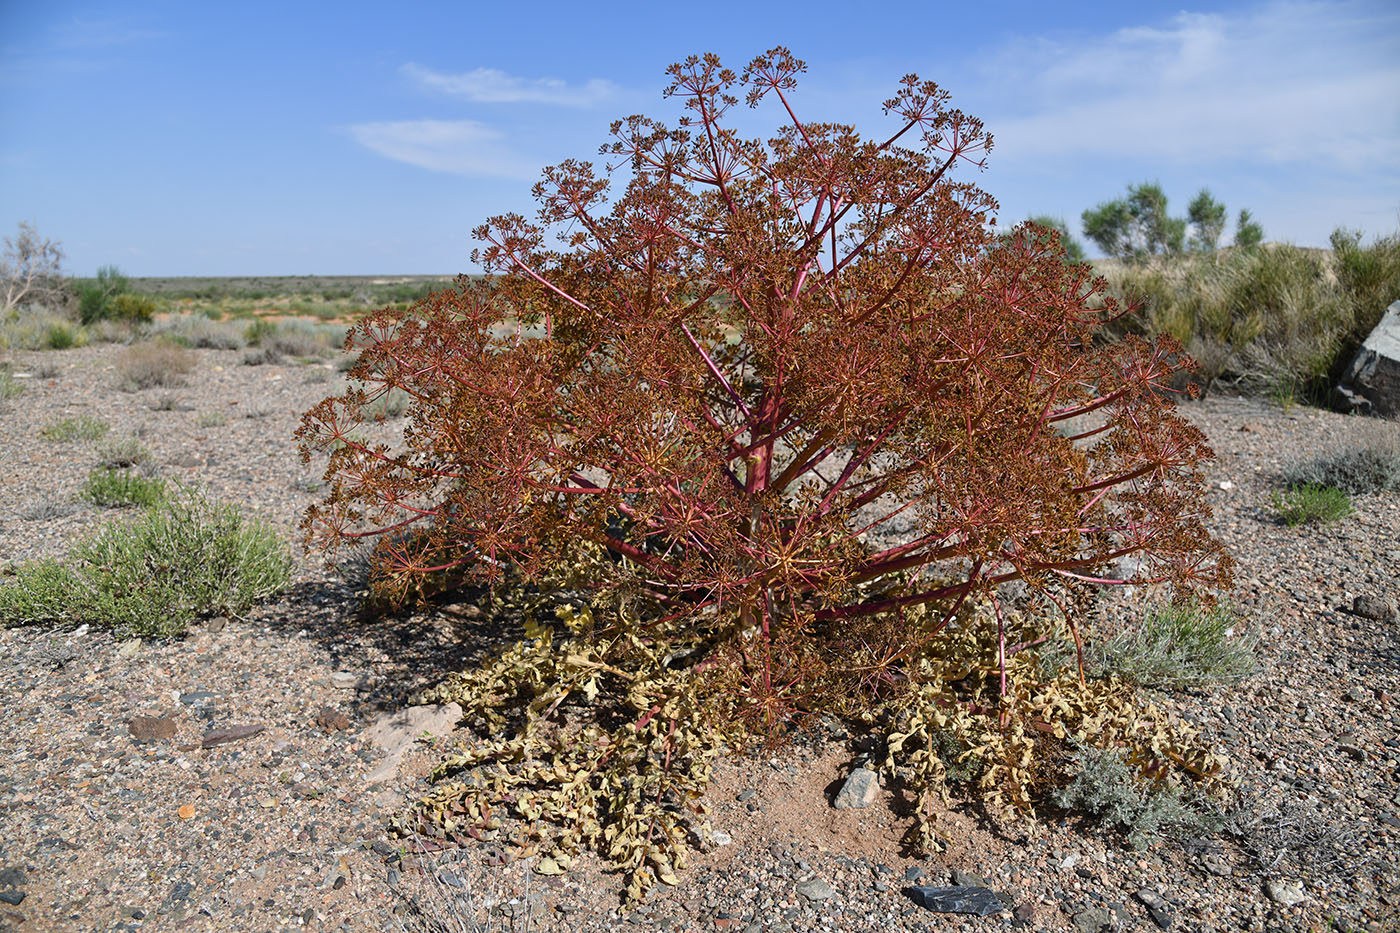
x: 120, y: 489
x: 61, y: 337
x: 9, y: 386
x: 1369, y: 464
x: 1106, y: 789
x: 211, y: 419
x: 1311, y: 504
x: 133, y: 307
x: 1176, y: 646
x: 77, y: 428
x: 258, y: 331
x: 97, y: 297
x: 152, y: 576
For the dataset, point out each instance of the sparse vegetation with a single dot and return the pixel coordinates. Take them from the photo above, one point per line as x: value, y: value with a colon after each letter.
x: 1173, y: 647
x: 185, y: 557
x: 120, y: 453
x: 1311, y: 504
x: 10, y: 387
x: 211, y: 419
x: 113, y: 488
x: 153, y: 364
x: 1106, y: 788
x: 76, y: 428
x: 1370, y: 463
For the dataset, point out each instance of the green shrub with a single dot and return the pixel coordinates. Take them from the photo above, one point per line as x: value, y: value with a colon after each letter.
x: 9, y: 386
x: 38, y: 328
x: 258, y: 331
x: 1366, y: 465
x: 212, y: 419
x: 1311, y: 504
x: 138, y: 309
x: 96, y: 297
x: 152, y: 576
x: 1108, y: 790
x: 1175, y: 646
x: 119, y: 489
x: 61, y: 336
x: 76, y: 428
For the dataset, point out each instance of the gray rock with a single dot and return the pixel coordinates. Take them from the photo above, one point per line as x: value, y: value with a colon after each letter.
x: 1093, y: 920
x: 1371, y: 383
x: 145, y: 729
x: 396, y: 732
x: 815, y: 890
x: 1285, y: 893
x: 198, y: 698
x: 13, y: 898
x: 913, y: 874
x: 129, y: 649
x: 345, y: 680
x: 216, y: 625
x: 1373, y: 607
x: 13, y: 878
x: 858, y: 792
x: 1156, y: 906
x: 958, y: 899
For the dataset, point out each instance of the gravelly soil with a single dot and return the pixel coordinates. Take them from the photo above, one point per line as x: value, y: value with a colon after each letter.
x: 282, y: 830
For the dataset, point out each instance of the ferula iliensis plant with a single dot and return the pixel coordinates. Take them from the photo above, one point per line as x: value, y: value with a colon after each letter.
x: 734, y: 368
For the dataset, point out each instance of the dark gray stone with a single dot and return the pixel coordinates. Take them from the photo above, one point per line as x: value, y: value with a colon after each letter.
x: 957, y: 899
x: 1373, y: 607
x: 13, y: 878
x: 1093, y: 920
x: 198, y: 698
x: 13, y: 898
x: 1156, y: 907
x: 1371, y: 384
x: 815, y: 890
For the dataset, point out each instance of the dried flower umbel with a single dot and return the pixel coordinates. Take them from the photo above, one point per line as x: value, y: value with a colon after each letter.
x: 719, y: 383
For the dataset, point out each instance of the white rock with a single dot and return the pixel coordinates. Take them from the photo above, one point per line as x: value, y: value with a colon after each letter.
x: 1284, y: 893
x: 396, y: 732
x: 344, y: 680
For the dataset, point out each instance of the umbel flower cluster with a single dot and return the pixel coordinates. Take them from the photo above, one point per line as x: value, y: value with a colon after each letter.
x: 779, y: 418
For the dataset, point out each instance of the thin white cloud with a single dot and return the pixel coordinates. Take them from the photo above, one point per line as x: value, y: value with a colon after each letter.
x: 492, y: 86
x: 459, y: 147
x: 100, y: 33
x: 1285, y: 82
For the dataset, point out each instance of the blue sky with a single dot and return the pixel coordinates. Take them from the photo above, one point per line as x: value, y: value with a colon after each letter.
x: 176, y: 138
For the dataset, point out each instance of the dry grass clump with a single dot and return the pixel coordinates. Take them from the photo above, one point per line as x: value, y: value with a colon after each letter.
x: 154, y: 365
x: 196, y: 330
x: 1369, y: 463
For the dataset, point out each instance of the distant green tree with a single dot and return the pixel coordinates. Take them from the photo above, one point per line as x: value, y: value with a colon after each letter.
x: 1208, y: 216
x: 1074, y: 250
x: 1136, y: 226
x: 1248, y: 233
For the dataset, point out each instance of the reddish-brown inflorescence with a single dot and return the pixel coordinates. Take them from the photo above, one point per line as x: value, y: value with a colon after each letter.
x: 754, y: 359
